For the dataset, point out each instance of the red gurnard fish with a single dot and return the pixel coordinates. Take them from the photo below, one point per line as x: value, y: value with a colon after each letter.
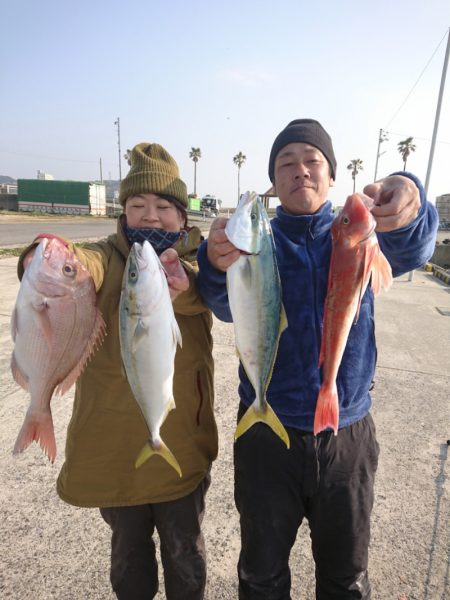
x: 356, y: 259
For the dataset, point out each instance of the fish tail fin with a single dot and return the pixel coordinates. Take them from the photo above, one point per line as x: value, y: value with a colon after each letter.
x: 162, y: 450
x: 38, y: 430
x: 327, y: 410
x: 381, y: 273
x: 267, y: 416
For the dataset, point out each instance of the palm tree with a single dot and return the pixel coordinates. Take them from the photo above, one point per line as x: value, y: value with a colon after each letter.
x: 355, y: 166
x: 405, y: 148
x: 195, y: 154
x: 239, y: 160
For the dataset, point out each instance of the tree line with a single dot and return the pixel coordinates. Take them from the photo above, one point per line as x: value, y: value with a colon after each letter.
x: 405, y: 148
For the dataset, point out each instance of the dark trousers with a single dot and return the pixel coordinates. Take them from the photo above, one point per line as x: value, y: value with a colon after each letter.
x: 326, y: 479
x: 134, y: 569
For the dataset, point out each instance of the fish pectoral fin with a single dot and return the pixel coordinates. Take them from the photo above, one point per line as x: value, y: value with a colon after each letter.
x: 327, y: 410
x: 42, y: 320
x: 267, y: 416
x: 369, y: 257
x: 162, y: 450
x: 246, y: 273
x: 139, y: 334
x: 381, y: 273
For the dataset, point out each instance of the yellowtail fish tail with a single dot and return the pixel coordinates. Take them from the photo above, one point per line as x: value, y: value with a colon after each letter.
x: 162, y: 450
x: 40, y: 431
x: 267, y: 416
x: 327, y: 410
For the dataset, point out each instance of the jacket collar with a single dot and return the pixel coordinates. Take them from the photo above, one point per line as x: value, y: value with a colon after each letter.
x: 314, y: 225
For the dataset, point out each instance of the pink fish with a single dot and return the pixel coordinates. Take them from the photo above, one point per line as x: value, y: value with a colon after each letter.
x: 55, y: 327
x: 356, y: 259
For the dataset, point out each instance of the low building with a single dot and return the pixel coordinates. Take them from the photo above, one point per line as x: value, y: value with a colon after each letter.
x: 443, y: 209
x: 62, y: 197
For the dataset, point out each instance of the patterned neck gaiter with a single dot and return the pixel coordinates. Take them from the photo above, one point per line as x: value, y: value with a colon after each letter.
x: 158, y: 238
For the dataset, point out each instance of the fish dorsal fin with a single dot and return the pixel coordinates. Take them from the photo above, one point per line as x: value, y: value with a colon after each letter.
x: 139, y: 334
x: 96, y: 338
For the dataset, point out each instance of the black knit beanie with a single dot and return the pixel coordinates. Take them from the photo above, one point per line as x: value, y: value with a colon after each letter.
x: 307, y: 131
x: 153, y: 171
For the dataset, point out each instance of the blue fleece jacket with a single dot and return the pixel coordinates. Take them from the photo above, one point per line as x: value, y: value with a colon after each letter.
x: 303, y: 247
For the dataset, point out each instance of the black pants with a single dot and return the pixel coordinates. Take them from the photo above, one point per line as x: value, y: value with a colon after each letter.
x: 134, y: 569
x: 327, y: 479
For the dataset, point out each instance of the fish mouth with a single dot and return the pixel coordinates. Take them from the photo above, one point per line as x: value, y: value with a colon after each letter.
x: 370, y: 233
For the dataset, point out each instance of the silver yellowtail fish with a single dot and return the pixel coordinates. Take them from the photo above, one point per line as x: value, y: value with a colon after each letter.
x: 55, y: 326
x: 254, y: 293
x: 148, y: 341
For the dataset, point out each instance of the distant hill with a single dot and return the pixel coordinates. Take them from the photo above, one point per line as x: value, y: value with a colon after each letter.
x: 6, y: 179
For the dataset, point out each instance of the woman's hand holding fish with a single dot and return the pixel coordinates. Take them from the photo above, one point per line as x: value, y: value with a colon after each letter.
x: 396, y: 202
x: 221, y: 252
x: 176, y: 276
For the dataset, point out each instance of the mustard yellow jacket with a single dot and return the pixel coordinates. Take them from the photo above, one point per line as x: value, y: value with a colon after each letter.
x: 107, y: 429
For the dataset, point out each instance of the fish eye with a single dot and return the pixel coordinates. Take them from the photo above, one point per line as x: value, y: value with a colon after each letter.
x: 68, y: 270
x: 345, y: 220
x: 253, y: 216
x: 133, y: 275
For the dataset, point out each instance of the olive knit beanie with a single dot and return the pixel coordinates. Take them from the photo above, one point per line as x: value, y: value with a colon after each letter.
x: 153, y: 171
x: 307, y: 131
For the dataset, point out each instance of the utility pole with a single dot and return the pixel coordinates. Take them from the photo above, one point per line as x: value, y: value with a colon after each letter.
x: 381, y: 138
x: 438, y: 113
x: 117, y: 122
x: 101, y: 171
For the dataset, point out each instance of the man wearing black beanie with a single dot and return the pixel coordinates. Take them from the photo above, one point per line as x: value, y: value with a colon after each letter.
x: 325, y: 478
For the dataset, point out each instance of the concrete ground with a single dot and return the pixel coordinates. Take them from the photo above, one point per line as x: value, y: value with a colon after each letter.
x: 50, y: 550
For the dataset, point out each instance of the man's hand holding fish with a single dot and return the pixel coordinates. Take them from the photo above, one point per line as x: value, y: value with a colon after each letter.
x: 396, y: 202
x: 324, y: 366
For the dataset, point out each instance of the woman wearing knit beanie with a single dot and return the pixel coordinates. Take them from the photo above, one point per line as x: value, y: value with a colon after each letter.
x: 107, y: 429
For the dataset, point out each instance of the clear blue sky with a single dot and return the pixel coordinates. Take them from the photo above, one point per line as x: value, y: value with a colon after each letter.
x: 225, y: 77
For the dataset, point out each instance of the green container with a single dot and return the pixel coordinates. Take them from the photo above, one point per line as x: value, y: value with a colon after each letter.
x: 68, y: 197
x: 195, y: 204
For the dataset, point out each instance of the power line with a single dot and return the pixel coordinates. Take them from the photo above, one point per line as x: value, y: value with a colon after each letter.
x: 416, y: 137
x: 420, y: 76
x: 74, y: 160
